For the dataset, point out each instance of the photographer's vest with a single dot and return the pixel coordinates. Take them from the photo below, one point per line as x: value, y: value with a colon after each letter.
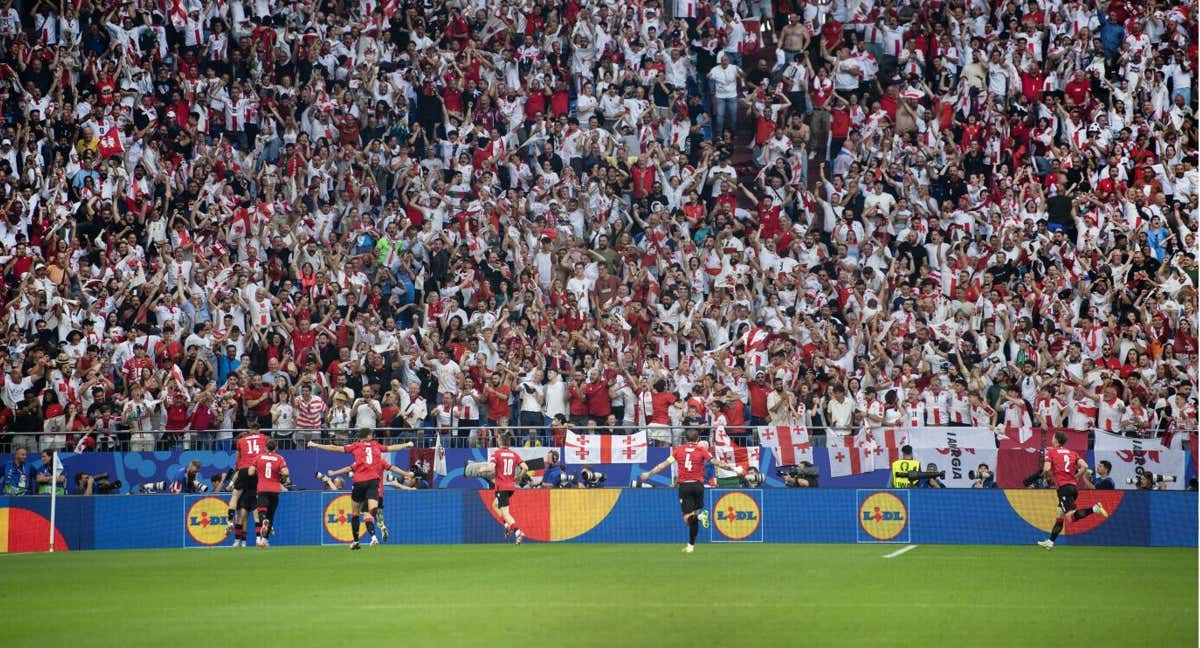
x: 904, y: 466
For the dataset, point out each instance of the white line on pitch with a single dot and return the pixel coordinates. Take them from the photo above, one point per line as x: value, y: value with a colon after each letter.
x: 899, y: 552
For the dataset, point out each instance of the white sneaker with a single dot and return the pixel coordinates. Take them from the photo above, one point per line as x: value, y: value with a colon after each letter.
x: 520, y: 536
x: 1046, y: 544
x: 688, y: 549
x: 374, y: 541
x: 260, y: 541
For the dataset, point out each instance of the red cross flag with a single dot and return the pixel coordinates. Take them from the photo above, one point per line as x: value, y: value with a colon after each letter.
x: 110, y: 143
x: 851, y: 460
x: 727, y: 452
x: 790, y: 445
x: 605, y: 448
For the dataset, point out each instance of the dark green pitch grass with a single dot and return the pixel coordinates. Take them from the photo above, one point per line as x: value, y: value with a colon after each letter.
x: 616, y: 596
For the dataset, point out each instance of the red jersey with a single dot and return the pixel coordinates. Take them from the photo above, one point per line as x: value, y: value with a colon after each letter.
x: 268, y: 465
x: 690, y: 459
x: 368, y: 459
x: 249, y: 447
x: 1064, y: 464
x: 506, y: 462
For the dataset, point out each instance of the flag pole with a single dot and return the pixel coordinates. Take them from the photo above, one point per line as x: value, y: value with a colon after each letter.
x: 54, y: 496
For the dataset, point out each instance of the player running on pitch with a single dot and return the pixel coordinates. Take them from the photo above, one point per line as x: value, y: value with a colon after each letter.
x: 691, y: 457
x: 509, y: 468
x: 368, y: 477
x: 379, y: 521
x: 1067, y: 468
x: 269, y: 469
x: 244, y: 498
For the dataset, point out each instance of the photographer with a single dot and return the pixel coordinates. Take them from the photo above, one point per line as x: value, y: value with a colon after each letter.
x: 1102, y: 479
x: 752, y: 479
x: 86, y: 484
x: 802, y: 475
x: 554, y: 476
x: 932, y: 478
x: 983, y: 476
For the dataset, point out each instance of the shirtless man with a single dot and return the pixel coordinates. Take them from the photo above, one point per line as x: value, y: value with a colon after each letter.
x: 793, y: 38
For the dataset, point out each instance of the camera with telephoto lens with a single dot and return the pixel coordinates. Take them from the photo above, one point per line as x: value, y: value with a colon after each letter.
x: 1158, y: 479
x: 918, y: 475
x: 591, y: 478
x: 752, y: 478
x: 567, y: 481
x: 983, y: 474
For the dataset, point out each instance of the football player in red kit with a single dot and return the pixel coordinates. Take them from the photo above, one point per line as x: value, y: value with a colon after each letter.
x: 368, y: 478
x: 691, y: 457
x: 1067, y: 468
x: 509, y: 469
x: 244, y: 498
x: 269, y: 469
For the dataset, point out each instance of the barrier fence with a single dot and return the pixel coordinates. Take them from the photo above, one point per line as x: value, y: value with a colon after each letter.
x: 125, y: 472
x: 615, y: 515
x: 546, y: 435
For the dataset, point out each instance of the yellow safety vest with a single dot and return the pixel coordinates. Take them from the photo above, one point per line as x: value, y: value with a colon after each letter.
x: 904, y: 466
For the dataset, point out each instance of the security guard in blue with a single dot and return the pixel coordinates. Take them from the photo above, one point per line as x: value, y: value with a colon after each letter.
x: 902, y: 466
x: 19, y: 477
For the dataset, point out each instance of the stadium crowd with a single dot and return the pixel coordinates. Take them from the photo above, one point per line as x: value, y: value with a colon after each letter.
x: 327, y: 215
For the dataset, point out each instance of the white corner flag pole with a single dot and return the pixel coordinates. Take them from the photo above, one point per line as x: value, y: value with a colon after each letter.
x: 54, y: 473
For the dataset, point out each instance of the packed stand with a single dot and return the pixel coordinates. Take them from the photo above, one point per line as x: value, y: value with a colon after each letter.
x: 465, y: 216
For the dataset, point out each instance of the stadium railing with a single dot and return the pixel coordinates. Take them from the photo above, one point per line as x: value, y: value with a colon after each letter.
x: 466, y: 437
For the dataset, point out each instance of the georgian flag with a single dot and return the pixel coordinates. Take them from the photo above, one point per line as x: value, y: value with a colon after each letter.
x: 790, y: 444
x: 726, y: 451
x: 605, y: 448
x: 853, y: 460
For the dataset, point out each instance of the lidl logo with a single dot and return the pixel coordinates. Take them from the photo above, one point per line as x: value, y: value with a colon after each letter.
x: 736, y: 515
x: 883, y: 516
x: 337, y: 519
x: 208, y: 521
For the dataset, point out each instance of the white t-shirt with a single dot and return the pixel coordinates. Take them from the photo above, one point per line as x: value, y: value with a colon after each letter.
x: 724, y: 79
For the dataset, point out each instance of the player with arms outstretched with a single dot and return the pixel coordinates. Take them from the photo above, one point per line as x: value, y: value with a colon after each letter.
x: 269, y: 469
x: 691, y: 458
x: 368, y: 478
x: 509, y: 468
x: 379, y: 521
x: 244, y: 498
x: 1067, y: 468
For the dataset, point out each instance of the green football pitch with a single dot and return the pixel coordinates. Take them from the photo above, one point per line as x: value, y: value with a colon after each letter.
x: 603, y: 595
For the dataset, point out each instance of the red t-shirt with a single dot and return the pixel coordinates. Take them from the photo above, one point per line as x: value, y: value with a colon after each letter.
x: 1064, y: 463
x: 506, y: 462
x: 662, y: 402
x: 691, y: 459
x: 599, y: 404
x: 249, y: 447
x: 268, y: 465
x: 498, y: 407
x: 302, y: 342
x: 368, y: 460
